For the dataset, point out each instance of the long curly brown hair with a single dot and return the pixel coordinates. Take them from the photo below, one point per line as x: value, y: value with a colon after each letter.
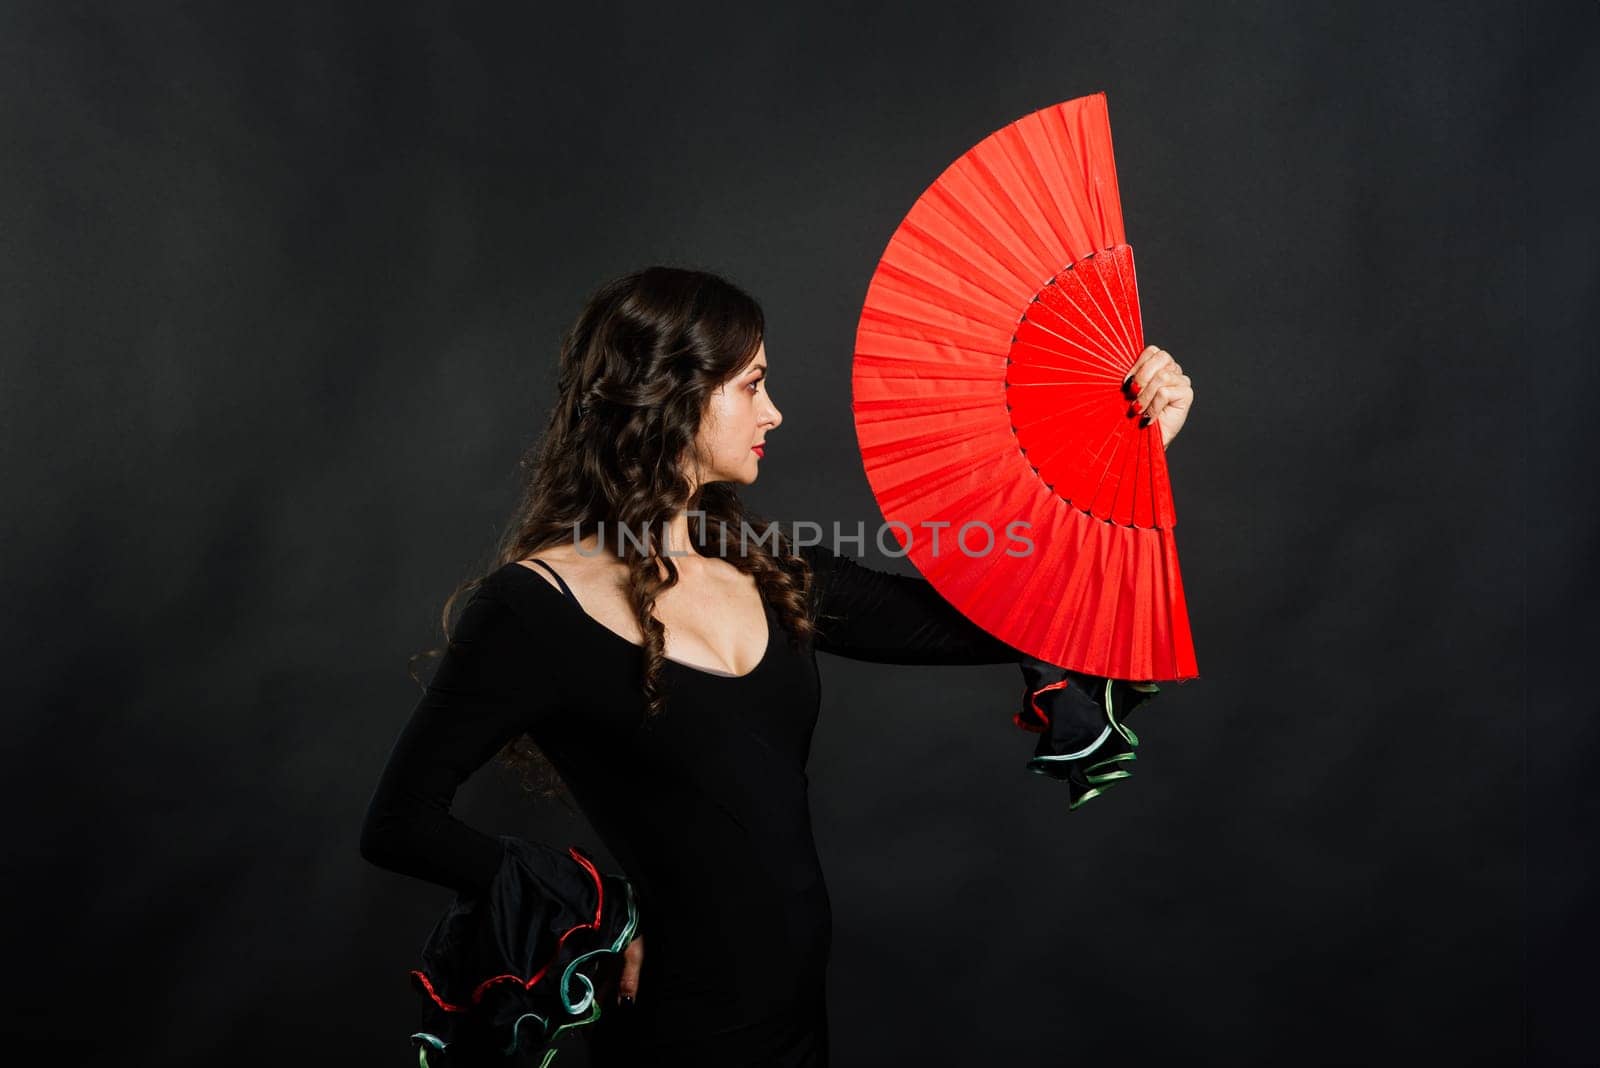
x: 636, y: 370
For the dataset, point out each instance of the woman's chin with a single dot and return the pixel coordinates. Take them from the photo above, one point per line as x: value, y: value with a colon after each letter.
x: 742, y: 478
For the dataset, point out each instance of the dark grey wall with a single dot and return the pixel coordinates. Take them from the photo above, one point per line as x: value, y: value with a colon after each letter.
x: 282, y: 287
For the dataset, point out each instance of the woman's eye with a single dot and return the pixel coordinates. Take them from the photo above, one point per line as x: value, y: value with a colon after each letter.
x: 753, y: 386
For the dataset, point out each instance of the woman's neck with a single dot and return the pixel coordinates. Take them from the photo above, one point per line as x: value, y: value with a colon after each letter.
x: 675, y: 539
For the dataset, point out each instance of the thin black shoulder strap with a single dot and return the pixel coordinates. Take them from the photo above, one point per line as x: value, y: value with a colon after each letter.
x: 559, y: 580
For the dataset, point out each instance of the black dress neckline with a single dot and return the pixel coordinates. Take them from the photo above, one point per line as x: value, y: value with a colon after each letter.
x: 574, y: 606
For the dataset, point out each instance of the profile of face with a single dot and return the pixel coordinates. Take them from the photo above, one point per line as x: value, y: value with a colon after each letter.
x: 738, y: 416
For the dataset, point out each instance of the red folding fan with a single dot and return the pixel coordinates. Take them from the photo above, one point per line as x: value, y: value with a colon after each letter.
x: 987, y: 391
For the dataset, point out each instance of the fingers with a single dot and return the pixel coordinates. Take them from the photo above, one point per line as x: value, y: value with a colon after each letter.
x: 1139, y: 364
x: 1153, y: 365
x: 1168, y: 395
x: 628, y: 984
x: 1151, y: 359
x: 1156, y: 382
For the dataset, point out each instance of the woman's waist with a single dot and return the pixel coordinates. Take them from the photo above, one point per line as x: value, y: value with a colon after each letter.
x: 723, y: 937
x: 727, y: 871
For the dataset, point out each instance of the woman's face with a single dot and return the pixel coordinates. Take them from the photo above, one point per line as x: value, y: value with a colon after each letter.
x: 737, y: 418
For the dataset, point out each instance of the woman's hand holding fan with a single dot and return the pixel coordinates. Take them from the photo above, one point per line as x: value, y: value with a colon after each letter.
x: 1160, y: 391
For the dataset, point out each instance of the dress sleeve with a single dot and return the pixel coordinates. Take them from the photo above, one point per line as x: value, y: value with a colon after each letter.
x: 872, y: 615
x: 520, y: 953
x: 489, y: 687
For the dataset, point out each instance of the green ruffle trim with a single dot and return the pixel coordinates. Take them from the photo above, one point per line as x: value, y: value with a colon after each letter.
x: 1105, y: 773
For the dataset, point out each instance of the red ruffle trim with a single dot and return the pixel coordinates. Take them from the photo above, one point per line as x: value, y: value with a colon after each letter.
x: 527, y: 984
x: 1041, y: 722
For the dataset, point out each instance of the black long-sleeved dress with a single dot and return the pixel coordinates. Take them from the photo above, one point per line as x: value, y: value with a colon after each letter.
x: 705, y: 807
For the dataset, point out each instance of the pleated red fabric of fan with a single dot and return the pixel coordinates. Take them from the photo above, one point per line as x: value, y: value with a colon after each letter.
x: 987, y: 391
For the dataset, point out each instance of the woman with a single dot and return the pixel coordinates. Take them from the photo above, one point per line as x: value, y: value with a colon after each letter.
x: 665, y: 668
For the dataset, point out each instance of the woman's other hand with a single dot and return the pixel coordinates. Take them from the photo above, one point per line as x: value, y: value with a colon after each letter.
x: 628, y: 984
x: 1160, y: 391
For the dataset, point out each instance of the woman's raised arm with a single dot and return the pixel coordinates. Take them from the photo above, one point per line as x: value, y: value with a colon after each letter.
x: 872, y: 615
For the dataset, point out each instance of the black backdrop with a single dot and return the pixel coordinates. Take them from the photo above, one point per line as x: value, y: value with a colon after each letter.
x: 282, y: 287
